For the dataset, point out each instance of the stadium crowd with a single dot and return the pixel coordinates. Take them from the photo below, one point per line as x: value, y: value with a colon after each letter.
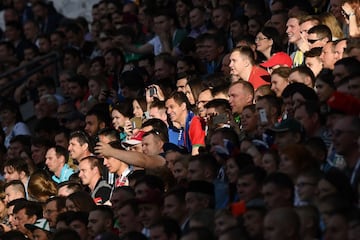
x: 180, y: 119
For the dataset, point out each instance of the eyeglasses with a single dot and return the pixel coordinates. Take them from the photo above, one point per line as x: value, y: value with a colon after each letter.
x: 260, y: 39
x: 312, y: 41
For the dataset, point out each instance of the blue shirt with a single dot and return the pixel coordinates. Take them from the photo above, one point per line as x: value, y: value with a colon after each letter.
x: 66, y: 172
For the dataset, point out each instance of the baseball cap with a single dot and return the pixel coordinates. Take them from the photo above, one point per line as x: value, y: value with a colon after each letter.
x: 343, y: 103
x: 279, y: 58
x: 287, y: 125
x: 41, y: 224
x: 134, y: 140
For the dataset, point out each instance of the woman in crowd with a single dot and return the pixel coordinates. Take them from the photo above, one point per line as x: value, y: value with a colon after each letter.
x: 120, y: 114
x: 80, y: 202
x: 280, y: 79
x: 41, y: 187
x: 268, y: 42
x: 294, y: 159
x: 233, y: 166
x: 352, y: 15
x: 270, y: 161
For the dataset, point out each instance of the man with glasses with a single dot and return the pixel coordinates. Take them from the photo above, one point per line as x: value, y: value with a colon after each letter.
x: 53, y: 207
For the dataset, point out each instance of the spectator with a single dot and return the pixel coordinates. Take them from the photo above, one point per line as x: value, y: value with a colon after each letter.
x: 242, y: 64
x: 90, y: 173
x: 100, y: 221
x: 56, y: 161
x: 14, y: 190
x: 53, y: 207
x: 192, y: 136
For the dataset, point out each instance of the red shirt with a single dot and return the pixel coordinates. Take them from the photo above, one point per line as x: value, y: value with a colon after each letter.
x: 256, y: 77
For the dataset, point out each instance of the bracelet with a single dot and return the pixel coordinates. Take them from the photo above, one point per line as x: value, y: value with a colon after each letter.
x: 351, y: 14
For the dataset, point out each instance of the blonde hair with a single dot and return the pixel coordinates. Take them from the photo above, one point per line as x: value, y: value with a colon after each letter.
x: 41, y: 187
x: 329, y: 20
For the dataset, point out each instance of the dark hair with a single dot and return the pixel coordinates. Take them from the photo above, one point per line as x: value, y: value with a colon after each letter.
x: 152, y: 181
x: 272, y: 33
x: 159, y: 126
x: 246, y: 52
x: 13, y: 107
x: 125, y: 108
x: 307, y: 92
x: 206, y: 161
x: 314, y: 52
x: 105, y: 210
x: 60, y: 202
x: 75, y: 186
x: 322, y: 31
x: 341, y: 182
x: 257, y: 172
x: 132, y: 203
x: 222, y: 104
x: 273, y: 101
x: 169, y: 225
x: 110, y: 133
x: 280, y: 180
x: 101, y: 111
x: 17, y: 164
x: 83, y: 138
x: 304, y: 70
x: 31, y: 208
x: 82, y: 200
x: 178, y: 192
x: 80, y: 80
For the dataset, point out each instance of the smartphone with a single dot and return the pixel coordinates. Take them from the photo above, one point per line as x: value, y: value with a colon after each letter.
x: 263, y: 116
x: 152, y: 91
x: 221, y: 118
x: 136, y: 122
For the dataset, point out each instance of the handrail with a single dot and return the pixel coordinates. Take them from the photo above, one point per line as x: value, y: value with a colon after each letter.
x: 53, y: 54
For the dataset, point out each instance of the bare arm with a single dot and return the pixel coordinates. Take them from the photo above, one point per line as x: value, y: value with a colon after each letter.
x: 354, y: 29
x: 129, y: 157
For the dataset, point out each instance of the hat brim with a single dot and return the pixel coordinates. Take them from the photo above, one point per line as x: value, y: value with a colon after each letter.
x: 32, y: 227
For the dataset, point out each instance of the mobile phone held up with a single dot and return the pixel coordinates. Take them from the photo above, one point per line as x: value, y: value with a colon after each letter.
x: 152, y: 91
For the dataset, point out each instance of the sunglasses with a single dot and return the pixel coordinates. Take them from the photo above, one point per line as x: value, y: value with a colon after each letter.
x: 312, y: 41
